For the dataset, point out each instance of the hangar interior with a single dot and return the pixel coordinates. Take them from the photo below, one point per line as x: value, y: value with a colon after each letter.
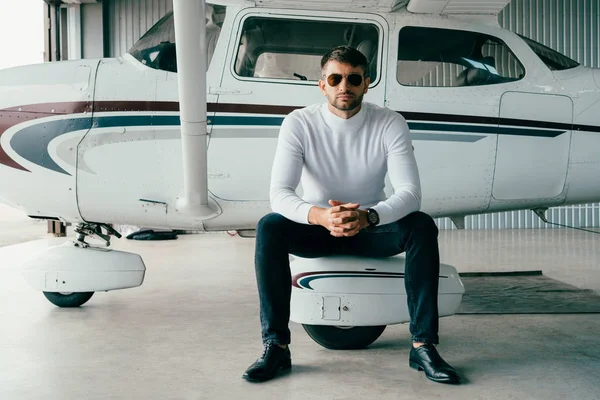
x: 193, y: 327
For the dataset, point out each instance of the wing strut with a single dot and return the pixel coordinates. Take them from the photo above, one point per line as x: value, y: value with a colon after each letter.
x: 190, y: 42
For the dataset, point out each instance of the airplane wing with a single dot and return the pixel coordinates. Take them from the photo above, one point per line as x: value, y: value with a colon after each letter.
x: 489, y: 7
x: 335, y: 5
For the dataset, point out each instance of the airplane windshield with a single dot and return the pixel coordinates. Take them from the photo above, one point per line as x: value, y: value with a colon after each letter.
x: 156, y: 49
x: 553, y: 59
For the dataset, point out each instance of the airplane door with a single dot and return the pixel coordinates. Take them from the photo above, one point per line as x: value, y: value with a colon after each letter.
x: 533, y: 164
x: 447, y: 80
x: 272, y: 67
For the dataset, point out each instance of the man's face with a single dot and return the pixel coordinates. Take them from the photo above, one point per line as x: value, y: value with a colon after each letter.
x: 339, y: 84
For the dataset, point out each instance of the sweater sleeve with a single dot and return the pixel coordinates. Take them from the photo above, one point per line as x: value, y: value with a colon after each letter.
x: 403, y: 174
x: 286, y: 172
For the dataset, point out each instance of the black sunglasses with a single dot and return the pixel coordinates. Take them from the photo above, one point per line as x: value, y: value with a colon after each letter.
x: 353, y: 79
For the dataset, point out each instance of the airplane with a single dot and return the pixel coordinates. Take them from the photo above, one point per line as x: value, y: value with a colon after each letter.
x: 181, y: 134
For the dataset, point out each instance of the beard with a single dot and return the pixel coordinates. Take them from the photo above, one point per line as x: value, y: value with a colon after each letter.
x: 345, y: 105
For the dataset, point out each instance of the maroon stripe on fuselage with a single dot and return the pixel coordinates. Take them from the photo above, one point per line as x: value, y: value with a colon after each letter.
x: 53, y: 108
x: 172, y: 106
x: 148, y: 106
x: 251, y: 108
x: 141, y: 106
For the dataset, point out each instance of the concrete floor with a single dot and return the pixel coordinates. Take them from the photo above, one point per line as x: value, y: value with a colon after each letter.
x: 192, y: 328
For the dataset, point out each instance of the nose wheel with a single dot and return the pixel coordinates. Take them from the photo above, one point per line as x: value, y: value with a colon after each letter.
x: 342, y: 337
x: 68, y: 300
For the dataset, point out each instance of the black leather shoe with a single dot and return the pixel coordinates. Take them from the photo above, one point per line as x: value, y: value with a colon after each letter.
x: 426, y: 358
x: 272, y: 360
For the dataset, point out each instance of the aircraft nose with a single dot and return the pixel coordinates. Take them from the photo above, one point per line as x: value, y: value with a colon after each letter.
x: 39, y: 92
x: 47, y: 83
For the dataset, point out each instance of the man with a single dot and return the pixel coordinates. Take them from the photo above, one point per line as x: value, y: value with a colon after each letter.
x: 341, y: 151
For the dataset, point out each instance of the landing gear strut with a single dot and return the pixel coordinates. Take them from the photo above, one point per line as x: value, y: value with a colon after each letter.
x: 93, y: 229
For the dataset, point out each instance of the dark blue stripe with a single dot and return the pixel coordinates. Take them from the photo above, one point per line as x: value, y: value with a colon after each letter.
x: 529, y: 132
x: 246, y: 120
x: 307, y: 280
x: 172, y: 120
x: 424, y: 126
x: 31, y: 143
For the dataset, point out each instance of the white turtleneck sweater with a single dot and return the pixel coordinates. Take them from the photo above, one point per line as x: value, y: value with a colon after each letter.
x: 345, y: 160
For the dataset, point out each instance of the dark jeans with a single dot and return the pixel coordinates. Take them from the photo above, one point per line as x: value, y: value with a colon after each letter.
x: 277, y: 237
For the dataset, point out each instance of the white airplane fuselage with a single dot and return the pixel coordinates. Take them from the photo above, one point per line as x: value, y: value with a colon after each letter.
x: 99, y: 140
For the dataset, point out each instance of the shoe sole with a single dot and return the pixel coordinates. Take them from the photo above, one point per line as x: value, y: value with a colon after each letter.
x: 417, y: 367
x: 286, y: 366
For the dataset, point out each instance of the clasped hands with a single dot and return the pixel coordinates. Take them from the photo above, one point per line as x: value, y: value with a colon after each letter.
x: 342, y: 219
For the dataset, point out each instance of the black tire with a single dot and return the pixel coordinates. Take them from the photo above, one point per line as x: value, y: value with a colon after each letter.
x: 344, y: 338
x: 68, y: 300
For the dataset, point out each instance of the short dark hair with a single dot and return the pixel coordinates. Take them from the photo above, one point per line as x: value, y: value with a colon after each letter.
x: 346, y: 55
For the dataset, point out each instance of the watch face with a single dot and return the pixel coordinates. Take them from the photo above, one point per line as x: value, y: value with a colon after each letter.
x: 372, y: 217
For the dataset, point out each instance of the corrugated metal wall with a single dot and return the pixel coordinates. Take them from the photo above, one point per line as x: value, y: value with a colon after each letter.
x: 128, y: 20
x: 570, y: 27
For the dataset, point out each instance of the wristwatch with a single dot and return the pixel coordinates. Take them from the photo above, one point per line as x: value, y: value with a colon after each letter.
x: 372, y: 217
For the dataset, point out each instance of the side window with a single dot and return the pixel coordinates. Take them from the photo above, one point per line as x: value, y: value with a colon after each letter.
x: 291, y: 49
x: 434, y: 57
x: 156, y: 49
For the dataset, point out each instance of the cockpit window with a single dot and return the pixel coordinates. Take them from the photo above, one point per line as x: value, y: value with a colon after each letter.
x: 553, y: 59
x: 435, y: 57
x: 156, y: 49
x: 278, y: 48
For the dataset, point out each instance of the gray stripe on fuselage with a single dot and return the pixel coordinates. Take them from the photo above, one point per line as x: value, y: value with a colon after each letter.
x: 444, y: 137
x: 31, y: 142
x: 254, y: 133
